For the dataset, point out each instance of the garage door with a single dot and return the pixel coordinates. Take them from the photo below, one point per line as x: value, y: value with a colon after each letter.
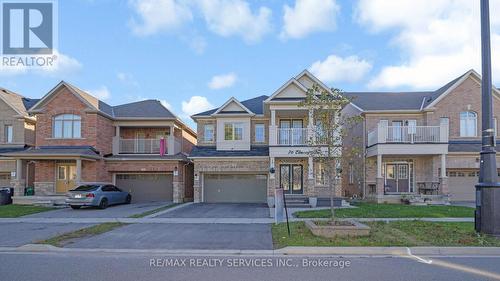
x: 461, y: 184
x: 146, y: 187
x: 222, y: 188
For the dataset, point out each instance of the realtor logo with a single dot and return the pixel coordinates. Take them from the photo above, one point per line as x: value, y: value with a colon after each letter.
x: 28, y: 28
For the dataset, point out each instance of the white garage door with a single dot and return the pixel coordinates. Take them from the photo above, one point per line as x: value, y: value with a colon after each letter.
x: 241, y: 188
x: 147, y: 187
x: 461, y: 184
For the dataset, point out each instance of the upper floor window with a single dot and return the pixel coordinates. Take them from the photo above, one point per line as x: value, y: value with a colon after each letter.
x: 208, y: 133
x: 260, y: 134
x: 67, y: 126
x: 233, y: 131
x: 468, y: 124
x: 8, y: 133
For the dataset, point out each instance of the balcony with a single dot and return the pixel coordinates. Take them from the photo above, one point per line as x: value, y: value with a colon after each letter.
x: 403, y: 140
x: 292, y: 136
x: 140, y: 146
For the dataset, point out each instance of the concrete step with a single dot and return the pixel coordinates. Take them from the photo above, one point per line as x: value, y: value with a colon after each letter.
x: 298, y: 205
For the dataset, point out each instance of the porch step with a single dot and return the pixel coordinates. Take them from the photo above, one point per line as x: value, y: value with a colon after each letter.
x: 298, y: 205
x: 297, y: 201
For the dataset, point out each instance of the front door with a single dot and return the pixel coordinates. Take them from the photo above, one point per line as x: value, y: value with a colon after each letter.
x: 397, y: 177
x: 66, y: 176
x: 291, y: 178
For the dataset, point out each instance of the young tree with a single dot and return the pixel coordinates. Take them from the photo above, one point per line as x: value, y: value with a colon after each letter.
x: 330, y: 129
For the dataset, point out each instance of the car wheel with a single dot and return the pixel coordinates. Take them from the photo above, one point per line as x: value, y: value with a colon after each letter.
x: 128, y: 199
x: 103, y: 204
x: 75, y: 207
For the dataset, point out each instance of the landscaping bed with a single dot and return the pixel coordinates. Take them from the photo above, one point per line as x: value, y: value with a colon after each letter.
x: 14, y: 211
x: 398, y: 233
x: 372, y: 210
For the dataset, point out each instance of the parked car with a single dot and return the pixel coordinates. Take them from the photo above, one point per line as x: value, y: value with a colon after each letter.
x: 98, y: 195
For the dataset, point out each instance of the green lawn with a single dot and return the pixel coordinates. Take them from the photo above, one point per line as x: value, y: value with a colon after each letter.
x: 66, y: 238
x: 372, y: 210
x: 14, y: 211
x: 400, y: 233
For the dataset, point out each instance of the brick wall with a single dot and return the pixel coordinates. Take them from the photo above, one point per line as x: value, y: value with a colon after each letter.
x: 149, y: 133
x: 45, y: 171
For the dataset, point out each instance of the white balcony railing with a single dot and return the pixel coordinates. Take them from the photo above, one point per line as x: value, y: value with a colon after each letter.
x: 408, y: 134
x: 140, y: 146
x: 292, y: 136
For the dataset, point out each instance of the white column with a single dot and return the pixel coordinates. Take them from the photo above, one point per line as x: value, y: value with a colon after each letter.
x: 443, y: 165
x: 272, y: 129
x: 310, y: 126
x: 379, y: 166
x: 78, y: 171
x: 273, y: 117
x: 271, y: 165
x: 116, y: 141
x: 171, y: 142
x: 19, y: 169
x: 310, y: 167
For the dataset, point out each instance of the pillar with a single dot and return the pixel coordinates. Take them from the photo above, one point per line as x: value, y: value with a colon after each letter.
x: 380, y: 179
x: 311, y: 192
x: 443, y: 179
x: 271, y: 183
x: 78, y: 171
x: 171, y: 142
x: 273, y: 132
x: 18, y: 183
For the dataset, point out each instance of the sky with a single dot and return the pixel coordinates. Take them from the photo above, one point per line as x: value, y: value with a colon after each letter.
x: 195, y: 55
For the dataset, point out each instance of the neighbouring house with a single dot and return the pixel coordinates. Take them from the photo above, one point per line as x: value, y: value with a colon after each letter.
x: 425, y: 144
x: 17, y: 133
x: 141, y: 147
x: 247, y: 149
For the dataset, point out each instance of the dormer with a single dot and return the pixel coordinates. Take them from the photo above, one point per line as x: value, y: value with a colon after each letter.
x: 233, y: 126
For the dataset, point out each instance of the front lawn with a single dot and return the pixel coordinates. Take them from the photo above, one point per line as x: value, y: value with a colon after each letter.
x: 398, y: 233
x: 14, y: 211
x: 372, y: 210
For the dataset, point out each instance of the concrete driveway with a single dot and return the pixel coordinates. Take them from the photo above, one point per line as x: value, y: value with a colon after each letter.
x: 18, y: 234
x: 183, y: 236
x: 226, y: 210
x: 116, y: 211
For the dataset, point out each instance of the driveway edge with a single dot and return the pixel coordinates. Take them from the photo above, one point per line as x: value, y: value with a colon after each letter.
x: 168, y: 210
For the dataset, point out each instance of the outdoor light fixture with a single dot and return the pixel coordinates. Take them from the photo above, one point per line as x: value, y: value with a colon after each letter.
x: 176, y: 173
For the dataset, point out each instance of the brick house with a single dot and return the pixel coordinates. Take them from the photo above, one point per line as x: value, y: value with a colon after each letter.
x: 80, y: 139
x: 17, y: 133
x: 419, y: 143
x: 248, y: 149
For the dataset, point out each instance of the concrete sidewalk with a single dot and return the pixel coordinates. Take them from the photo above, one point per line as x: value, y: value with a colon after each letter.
x: 207, y: 220
x: 289, y: 251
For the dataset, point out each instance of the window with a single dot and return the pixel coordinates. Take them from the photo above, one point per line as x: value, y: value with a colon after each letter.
x: 67, y: 126
x: 233, y: 131
x: 260, y: 134
x: 468, y: 124
x: 208, y: 133
x: 321, y: 176
x: 8, y: 133
x: 351, y: 173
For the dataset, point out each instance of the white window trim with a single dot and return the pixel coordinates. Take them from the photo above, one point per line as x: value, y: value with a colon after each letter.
x: 463, y: 133
x: 74, y: 118
x: 263, y: 126
x: 9, y: 133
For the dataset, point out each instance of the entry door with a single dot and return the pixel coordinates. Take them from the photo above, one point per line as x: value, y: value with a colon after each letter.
x: 291, y: 178
x: 397, y: 177
x: 66, y: 176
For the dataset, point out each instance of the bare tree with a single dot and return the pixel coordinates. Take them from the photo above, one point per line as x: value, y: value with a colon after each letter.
x: 327, y: 135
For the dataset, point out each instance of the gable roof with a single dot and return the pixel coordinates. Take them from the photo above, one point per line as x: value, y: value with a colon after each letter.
x: 227, y: 103
x: 404, y: 101
x: 292, y: 81
x: 16, y: 101
x: 142, y: 109
x: 255, y: 105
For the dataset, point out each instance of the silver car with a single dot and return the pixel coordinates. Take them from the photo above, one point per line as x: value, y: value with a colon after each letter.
x: 97, y: 195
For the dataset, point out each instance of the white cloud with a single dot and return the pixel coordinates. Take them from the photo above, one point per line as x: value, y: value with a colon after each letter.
x: 196, y: 104
x: 127, y: 78
x: 101, y: 93
x: 166, y: 104
x: 439, y: 40
x: 197, y: 44
x: 235, y: 17
x: 338, y: 69
x: 308, y: 16
x: 159, y: 15
x: 62, y: 65
x: 222, y: 81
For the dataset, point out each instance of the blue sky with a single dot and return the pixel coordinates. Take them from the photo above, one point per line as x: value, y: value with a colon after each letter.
x: 195, y: 54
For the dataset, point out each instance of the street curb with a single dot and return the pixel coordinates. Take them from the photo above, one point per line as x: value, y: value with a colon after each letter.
x: 290, y: 251
x: 168, y: 210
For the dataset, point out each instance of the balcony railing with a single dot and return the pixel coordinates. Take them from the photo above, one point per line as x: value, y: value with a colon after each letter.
x: 408, y: 134
x: 140, y: 146
x: 292, y: 136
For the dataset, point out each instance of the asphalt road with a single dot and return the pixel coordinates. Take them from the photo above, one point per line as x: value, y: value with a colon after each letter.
x: 126, y: 266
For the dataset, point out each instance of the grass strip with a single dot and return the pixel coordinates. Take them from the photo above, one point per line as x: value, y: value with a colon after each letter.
x: 67, y: 238
x: 14, y: 211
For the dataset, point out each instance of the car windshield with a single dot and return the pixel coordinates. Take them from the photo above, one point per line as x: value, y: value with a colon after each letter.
x: 86, y: 188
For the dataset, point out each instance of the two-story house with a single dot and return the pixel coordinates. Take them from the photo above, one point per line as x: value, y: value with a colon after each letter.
x: 420, y: 143
x: 248, y: 149
x: 17, y: 133
x: 141, y: 147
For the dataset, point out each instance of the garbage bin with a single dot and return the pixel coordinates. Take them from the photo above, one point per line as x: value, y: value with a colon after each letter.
x: 6, y: 195
x: 29, y: 191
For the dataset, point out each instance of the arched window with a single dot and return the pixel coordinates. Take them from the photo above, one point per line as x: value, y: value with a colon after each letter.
x: 468, y: 124
x: 67, y: 126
